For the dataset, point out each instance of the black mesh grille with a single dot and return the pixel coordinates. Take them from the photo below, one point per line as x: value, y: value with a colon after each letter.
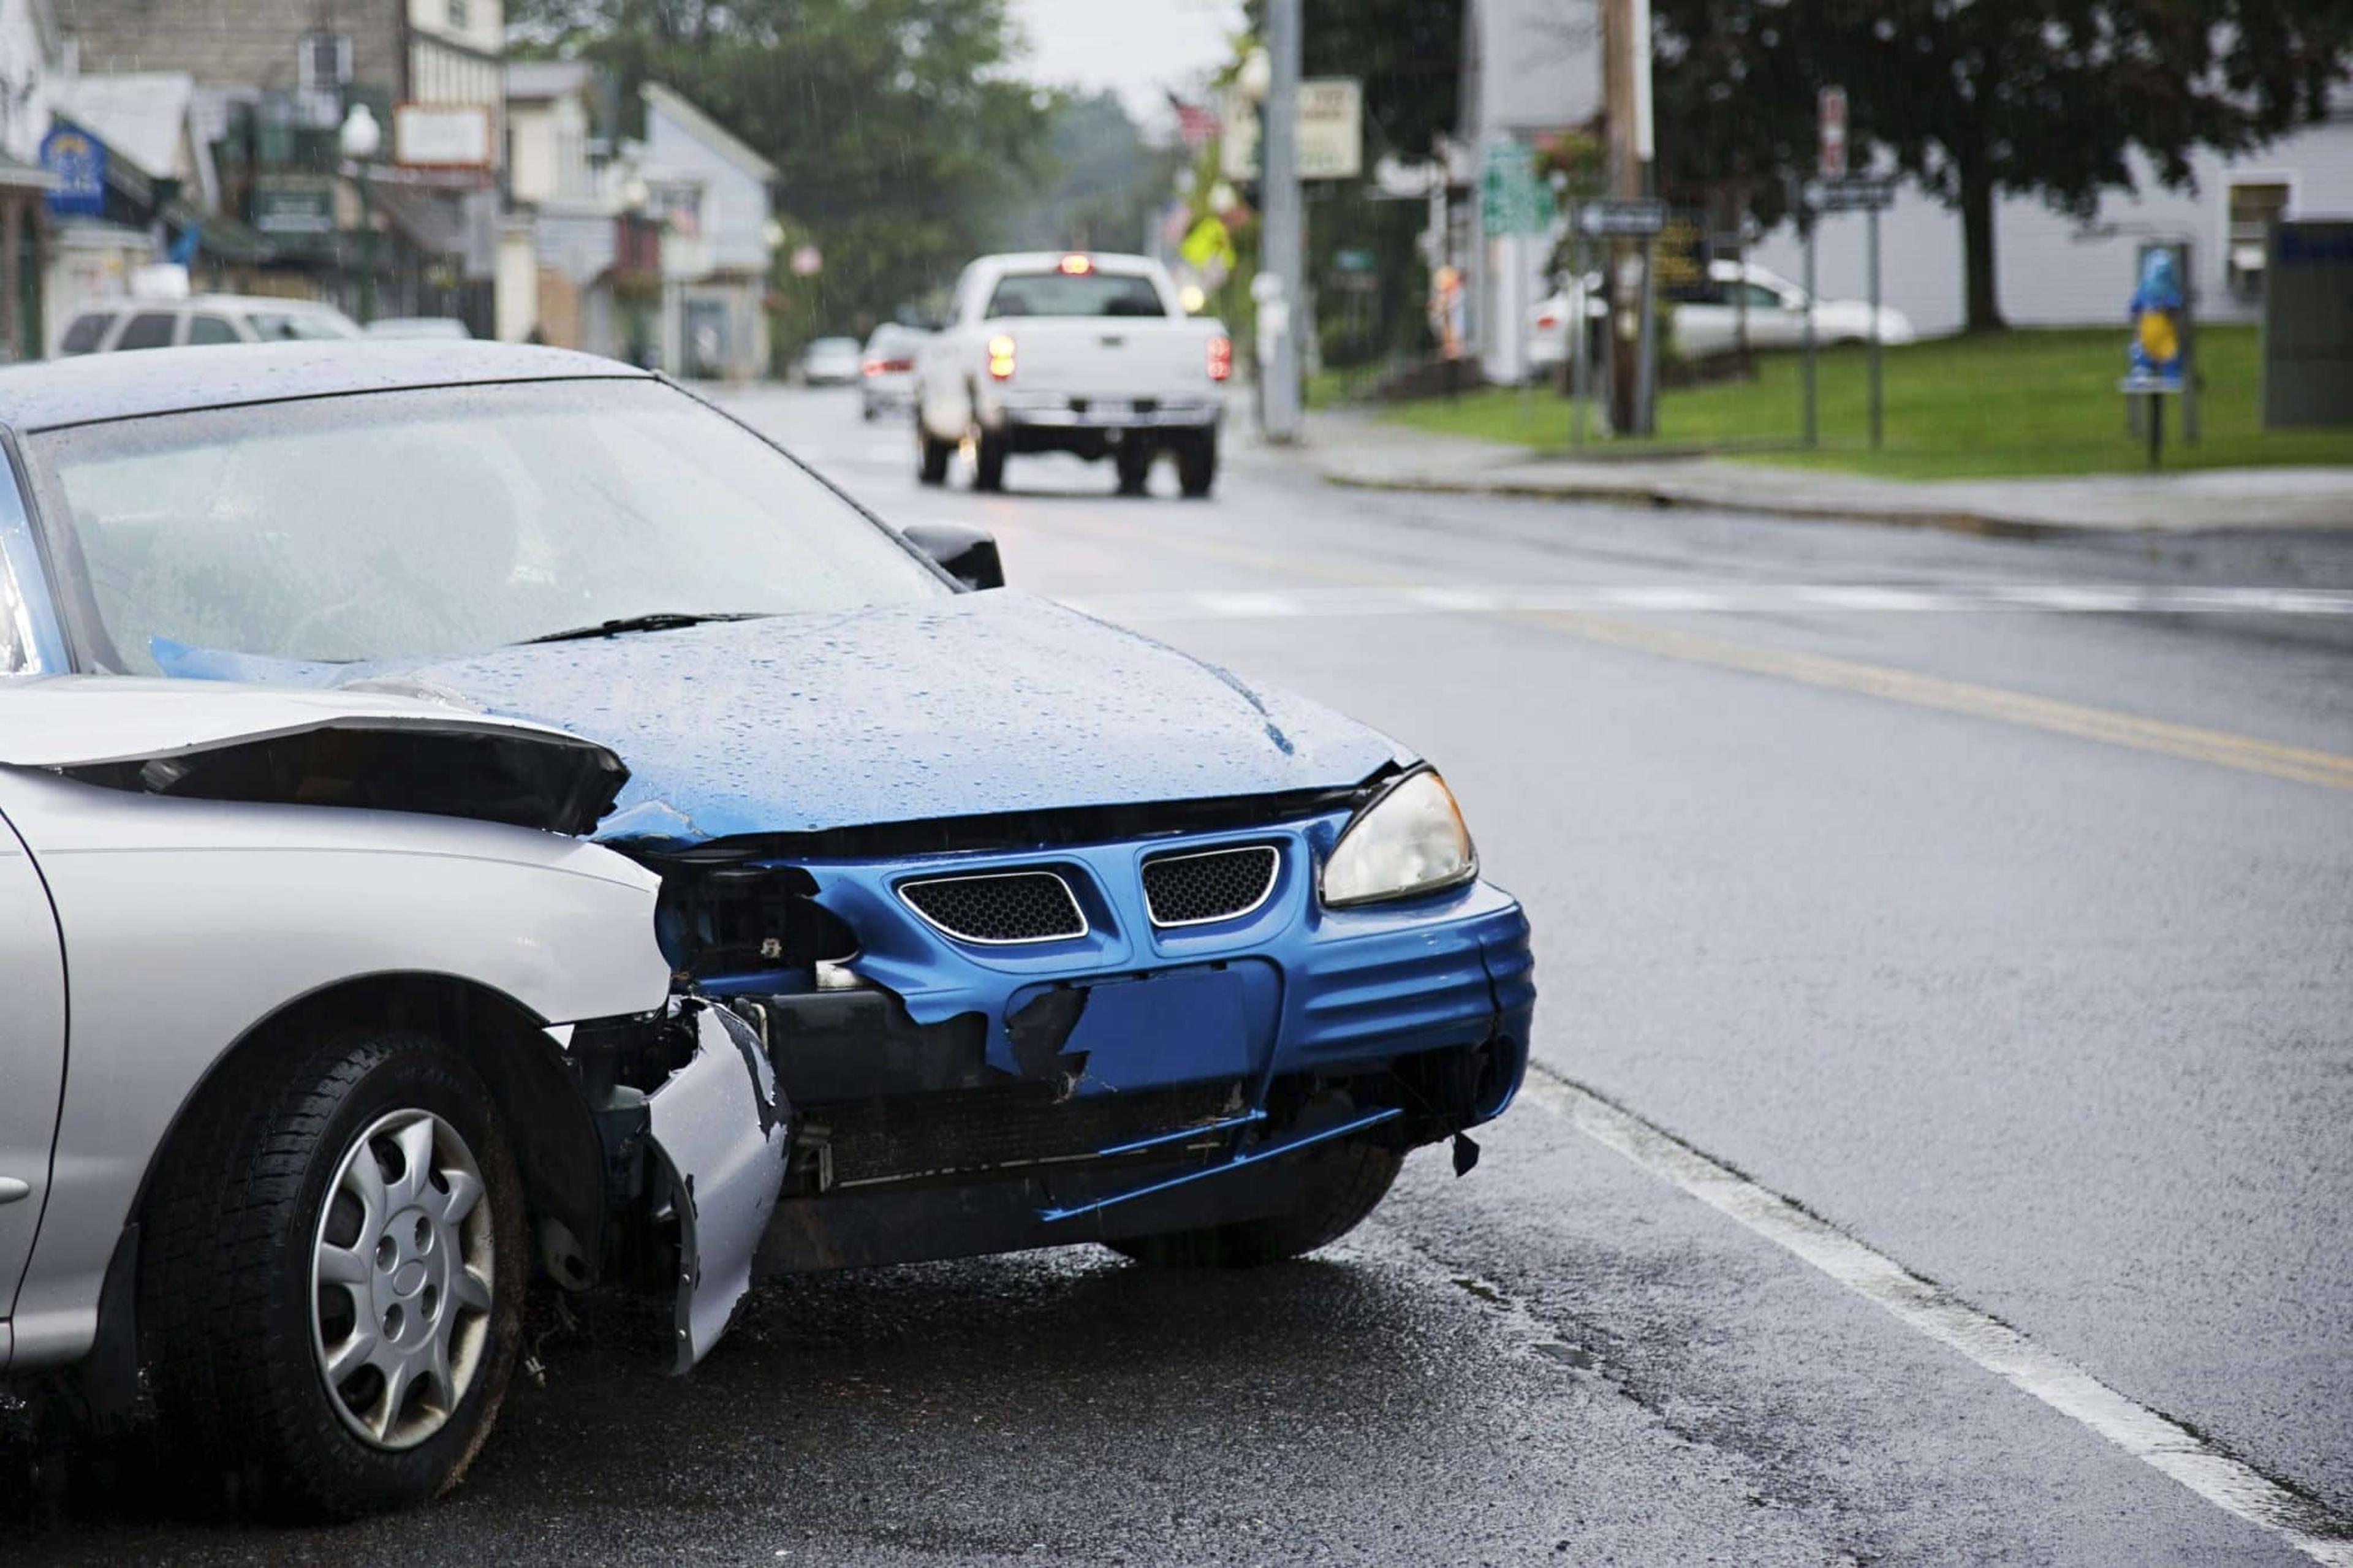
x: 1191, y: 889
x: 1014, y: 906
x: 1020, y: 1124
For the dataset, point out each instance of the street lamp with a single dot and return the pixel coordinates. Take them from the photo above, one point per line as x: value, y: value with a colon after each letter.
x: 360, y: 137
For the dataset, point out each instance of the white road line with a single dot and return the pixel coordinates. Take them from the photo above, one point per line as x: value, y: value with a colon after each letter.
x: 1921, y: 1304
x: 1718, y: 597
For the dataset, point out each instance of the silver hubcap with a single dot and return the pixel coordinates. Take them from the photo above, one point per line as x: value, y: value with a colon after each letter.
x: 400, y: 1279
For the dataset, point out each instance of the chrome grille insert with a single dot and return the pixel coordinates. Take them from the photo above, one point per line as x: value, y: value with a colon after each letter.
x: 997, y: 908
x: 1209, y: 885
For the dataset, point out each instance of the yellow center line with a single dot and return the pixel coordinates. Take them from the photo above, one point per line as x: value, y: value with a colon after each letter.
x: 2301, y: 764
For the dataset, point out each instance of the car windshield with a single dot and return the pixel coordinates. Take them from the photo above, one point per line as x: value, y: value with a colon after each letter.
x: 424, y: 524
x: 1075, y: 294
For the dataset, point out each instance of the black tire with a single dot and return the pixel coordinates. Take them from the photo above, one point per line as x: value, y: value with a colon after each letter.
x: 1338, y: 1187
x: 1134, y: 468
x: 931, y: 456
x: 869, y: 413
x: 988, y: 463
x: 1196, y: 463
x: 226, y: 1302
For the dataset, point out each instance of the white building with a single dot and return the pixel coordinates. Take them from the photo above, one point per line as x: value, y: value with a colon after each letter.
x: 2051, y: 271
x: 712, y: 194
x: 1531, y: 68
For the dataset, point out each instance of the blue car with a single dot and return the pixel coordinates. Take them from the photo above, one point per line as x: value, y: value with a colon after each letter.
x: 1004, y: 927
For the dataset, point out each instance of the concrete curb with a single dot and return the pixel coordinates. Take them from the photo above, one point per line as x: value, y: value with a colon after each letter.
x: 1988, y: 525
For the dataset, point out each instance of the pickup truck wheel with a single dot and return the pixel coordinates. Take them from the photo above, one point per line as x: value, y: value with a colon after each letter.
x: 988, y: 462
x: 1196, y: 463
x: 931, y: 456
x: 332, y: 1275
x: 1336, y: 1188
x: 1135, y: 468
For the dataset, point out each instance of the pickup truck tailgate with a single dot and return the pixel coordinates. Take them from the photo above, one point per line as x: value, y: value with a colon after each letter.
x: 1112, y: 356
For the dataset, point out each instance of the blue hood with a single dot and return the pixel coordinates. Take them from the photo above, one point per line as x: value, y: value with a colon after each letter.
x: 956, y: 707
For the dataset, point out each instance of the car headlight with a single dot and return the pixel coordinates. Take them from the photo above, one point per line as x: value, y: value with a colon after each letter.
x: 1409, y: 840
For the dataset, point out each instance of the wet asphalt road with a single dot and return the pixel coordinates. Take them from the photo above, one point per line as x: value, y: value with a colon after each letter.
x: 2056, y: 1013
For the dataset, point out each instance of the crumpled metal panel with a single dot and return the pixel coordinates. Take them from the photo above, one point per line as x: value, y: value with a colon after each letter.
x: 722, y: 1128
x: 964, y: 705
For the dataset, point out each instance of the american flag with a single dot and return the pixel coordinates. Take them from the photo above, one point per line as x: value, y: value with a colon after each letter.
x: 1196, y: 122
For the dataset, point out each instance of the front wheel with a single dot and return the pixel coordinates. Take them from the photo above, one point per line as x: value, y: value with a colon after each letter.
x: 1196, y: 463
x: 1334, y: 1189
x: 333, y: 1272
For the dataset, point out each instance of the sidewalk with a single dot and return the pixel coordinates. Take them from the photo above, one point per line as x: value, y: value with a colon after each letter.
x: 1359, y: 450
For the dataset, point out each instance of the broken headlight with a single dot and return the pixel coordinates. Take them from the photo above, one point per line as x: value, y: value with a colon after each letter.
x: 1409, y: 840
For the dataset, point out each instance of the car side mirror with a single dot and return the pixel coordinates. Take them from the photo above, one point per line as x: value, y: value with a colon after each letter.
x: 967, y: 555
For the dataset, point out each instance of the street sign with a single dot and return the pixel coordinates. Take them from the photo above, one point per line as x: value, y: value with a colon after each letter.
x: 1851, y: 193
x: 292, y: 209
x: 1635, y: 215
x: 1331, y: 141
x: 1511, y: 199
x: 441, y: 136
x: 1830, y: 114
x: 1684, y: 257
x: 76, y: 164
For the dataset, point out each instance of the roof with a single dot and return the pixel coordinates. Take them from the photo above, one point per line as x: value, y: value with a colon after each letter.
x: 707, y: 131
x: 139, y: 115
x: 548, y: 78
x: 90, y: 387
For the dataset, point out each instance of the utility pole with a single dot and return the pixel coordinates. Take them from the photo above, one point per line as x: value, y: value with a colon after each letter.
x: 1281, y: 273
x: 1626, y: 99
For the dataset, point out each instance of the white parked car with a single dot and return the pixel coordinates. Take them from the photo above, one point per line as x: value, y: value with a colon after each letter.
x: 830, y: 362
x: 887, y: 372
x: 1090, y: 355
x: 204, y: 319
x: 1775, y: 309
x: 446, y: 327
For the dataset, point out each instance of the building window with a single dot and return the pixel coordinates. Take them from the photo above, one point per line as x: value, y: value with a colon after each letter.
x: 324, y: 64
x: 461, y: 13
x: 2253, y: 205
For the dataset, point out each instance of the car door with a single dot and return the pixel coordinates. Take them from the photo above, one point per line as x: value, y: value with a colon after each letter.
x: 32, y: 1056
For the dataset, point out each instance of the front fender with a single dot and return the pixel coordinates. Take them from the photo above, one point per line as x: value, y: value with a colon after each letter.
x: 187, y: 922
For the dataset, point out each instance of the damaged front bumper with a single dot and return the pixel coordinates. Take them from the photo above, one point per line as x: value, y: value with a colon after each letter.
x: 701, y: 1156
x: 929, y: 1096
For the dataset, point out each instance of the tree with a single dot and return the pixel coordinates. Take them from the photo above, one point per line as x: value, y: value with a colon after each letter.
x: 1104, y: 183
x: 1979, y: 99
x: 897, y: 131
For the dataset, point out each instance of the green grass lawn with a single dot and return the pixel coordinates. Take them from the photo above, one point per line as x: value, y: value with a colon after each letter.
x: 2016, y: 403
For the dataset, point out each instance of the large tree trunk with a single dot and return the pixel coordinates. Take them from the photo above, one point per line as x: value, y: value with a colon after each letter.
x: 1982, y: 297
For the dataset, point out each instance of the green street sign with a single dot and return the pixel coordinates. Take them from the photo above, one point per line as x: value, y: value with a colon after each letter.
x: 1512, y: 199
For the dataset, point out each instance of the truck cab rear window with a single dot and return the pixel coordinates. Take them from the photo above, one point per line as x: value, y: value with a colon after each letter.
x: 1075, y: 294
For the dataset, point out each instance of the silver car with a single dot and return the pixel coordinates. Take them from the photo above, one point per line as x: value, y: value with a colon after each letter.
x: 319, y: 1067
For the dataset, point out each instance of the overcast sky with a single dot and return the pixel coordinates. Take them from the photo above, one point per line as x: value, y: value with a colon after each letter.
x: 1138, y: 47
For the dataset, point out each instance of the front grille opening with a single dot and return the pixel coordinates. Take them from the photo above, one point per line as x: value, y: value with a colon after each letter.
x: 1212, y: 885
x: 998, y: 907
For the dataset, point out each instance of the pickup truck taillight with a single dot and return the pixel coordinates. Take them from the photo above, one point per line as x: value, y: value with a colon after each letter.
x: 1001, y: 358
x: 1221, y: 357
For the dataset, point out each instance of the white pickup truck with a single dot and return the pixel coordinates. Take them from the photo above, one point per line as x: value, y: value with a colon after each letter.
x: 1090, y: 353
